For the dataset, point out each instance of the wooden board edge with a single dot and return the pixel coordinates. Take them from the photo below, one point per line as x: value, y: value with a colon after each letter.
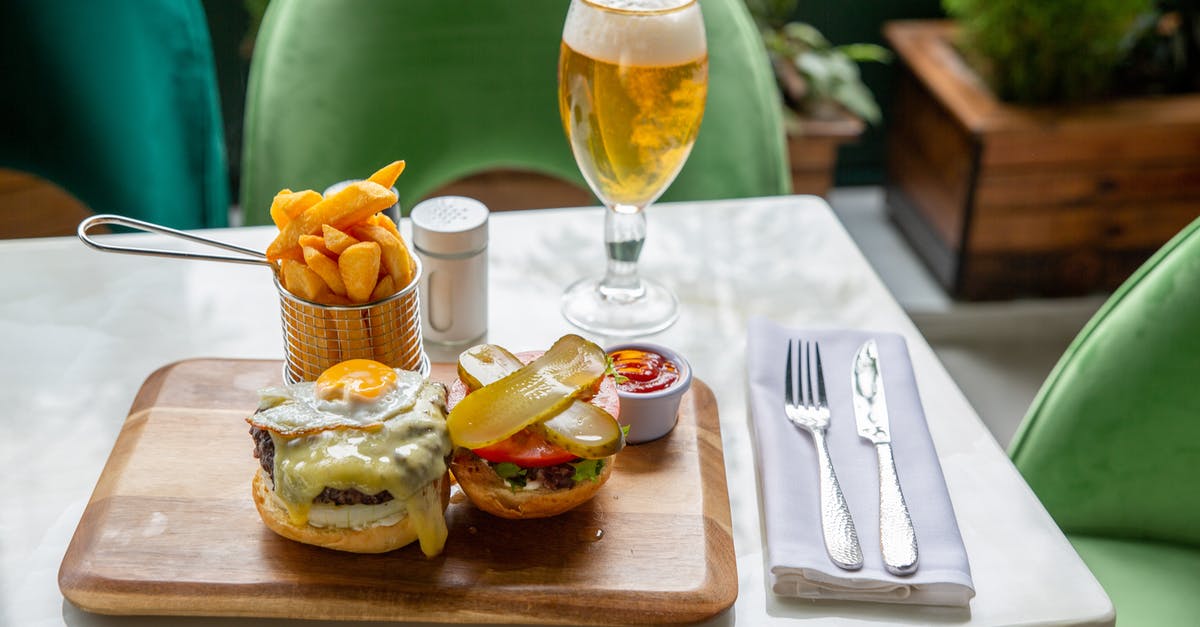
x: 590, y: 611
x: 151, y: 388
x: 721, y: 584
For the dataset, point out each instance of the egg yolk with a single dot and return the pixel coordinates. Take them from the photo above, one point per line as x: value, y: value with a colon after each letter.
x: 362, y: 380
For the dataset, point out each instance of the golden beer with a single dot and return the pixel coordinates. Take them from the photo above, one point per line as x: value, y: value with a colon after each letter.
x: 631, y: 125
x: 632, y: 81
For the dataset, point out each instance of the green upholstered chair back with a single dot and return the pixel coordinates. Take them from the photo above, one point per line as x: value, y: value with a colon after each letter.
x: 117, y: 103
x: 1111, y: 445
x: 338, y: 89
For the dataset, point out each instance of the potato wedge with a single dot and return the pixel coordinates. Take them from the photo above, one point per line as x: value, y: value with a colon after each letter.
x: 288, y: 204
x: 353, y: 204
x: 294, y: 254
x: 278, y: 215
x: 384, y: 288
x: 335, y: 299
x: 359, y: 266
x: 382, y: 219
x: 315, y: 241
x: 326, y: 268
x: 336, y: 241
x: 396, y: 258
x: 387, y: 175
x: 303, y: 282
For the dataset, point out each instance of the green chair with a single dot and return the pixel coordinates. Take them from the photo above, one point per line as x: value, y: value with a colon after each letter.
x: 116, y: 102
x: 338, y: 89
x: 1111, y: 445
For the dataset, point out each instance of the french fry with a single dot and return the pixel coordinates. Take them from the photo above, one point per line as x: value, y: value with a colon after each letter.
x: 353, y: 204
x: 326, y: 268
x: 315, y: 234
x: 359, y: 266
x: 395, y: 254
x: 384, y: 288
x: 288, y: 204
x: 337, y: 241
x: 315, y: 241
x: 278, y: 215
x: 294, y: 255
x: 383, y: 220
x: 303, y: 282
x: 387, y: 175
x: 337, y: 299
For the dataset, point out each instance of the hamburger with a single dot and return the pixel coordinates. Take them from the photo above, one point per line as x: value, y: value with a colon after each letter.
x: 355, y: 461
x: 534, y: 433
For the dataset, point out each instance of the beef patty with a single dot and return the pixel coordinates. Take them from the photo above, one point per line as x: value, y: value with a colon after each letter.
x: 264, y: 450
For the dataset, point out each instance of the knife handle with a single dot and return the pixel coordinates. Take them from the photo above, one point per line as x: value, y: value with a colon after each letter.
x: 841, y: 538
x: 897, y: 539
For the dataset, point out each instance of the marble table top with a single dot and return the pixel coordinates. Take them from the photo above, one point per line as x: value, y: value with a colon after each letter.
x: 83, y: 329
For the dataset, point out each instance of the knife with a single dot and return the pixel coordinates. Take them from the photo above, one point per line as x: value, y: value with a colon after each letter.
x: 897, y: 540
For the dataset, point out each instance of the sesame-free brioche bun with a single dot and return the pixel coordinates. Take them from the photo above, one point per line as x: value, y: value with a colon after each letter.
x: 376, y: 539
x: 490, y: 493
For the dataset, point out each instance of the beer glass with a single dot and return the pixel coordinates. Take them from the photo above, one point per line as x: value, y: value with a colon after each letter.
x: 632, y: 80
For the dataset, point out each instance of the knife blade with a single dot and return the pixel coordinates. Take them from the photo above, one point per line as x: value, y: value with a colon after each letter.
x: 897, y: 539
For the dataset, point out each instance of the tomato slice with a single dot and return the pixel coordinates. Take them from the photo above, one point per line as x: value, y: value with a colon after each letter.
x: 526, y: 449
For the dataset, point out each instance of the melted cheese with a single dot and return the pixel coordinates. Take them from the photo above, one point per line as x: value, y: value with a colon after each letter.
x: 425, y: 512
x: 404, y: 457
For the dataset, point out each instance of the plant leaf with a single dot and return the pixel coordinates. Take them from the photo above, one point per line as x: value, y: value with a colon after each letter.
x: 858, y: 99
x: 806, y: 34
x: 865, y: 53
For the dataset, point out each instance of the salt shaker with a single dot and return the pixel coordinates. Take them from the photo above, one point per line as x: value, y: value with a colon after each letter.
x: 450, y: 236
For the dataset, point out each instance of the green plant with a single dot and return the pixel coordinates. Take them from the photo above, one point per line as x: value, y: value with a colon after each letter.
x: 1042, y: 51
x: 816, y: 77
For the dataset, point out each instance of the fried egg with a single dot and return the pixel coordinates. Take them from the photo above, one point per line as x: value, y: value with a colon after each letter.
x: 354, y: 394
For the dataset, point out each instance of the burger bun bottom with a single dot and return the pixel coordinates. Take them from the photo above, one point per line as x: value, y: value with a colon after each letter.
x: 377, y: 539
x: 490, y: 493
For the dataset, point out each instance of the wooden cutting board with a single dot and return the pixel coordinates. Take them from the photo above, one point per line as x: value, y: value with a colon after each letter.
x: 171, y: 529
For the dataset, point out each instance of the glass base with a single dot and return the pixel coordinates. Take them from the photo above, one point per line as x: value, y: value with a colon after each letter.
x: 620, y: 313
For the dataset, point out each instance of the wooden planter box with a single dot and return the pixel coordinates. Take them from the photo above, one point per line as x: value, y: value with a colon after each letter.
x: 1004, y: 201
x: 812, y: 150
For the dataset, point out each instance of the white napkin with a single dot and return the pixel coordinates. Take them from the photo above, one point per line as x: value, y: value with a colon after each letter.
x: 787, y: 470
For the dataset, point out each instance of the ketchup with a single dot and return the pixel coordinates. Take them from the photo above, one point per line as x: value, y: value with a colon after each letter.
x: 643, y: 371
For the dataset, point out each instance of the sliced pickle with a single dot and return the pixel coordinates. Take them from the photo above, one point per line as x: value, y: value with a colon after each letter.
x: 582, y: 428
x: 585, y: 430
x: 532, y: 394
x: 486, y: 363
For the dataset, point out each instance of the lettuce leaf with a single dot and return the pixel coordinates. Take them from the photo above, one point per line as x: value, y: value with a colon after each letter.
x: 510, y: 472
x: 587, y: 469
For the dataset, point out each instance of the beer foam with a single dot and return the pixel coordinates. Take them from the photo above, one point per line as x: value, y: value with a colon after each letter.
x: 636, y: 32
x: 640, y: 5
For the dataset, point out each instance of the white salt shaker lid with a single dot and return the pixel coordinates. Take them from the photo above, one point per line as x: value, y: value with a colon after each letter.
x: 450, y: 225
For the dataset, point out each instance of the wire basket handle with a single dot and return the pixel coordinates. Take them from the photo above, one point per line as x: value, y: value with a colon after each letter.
x: 252, y: 257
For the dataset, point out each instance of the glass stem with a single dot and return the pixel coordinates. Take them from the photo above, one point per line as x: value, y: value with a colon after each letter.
x: 624, y: 234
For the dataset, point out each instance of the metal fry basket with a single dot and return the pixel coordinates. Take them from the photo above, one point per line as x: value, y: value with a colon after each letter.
x: 317, y: 336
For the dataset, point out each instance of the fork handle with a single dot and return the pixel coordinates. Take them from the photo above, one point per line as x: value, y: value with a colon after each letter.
x: 841, y: 539
x: 897, y: 540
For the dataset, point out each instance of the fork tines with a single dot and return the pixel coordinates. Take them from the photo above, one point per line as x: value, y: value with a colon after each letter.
x: 799, y: 391
x: 789, y: 381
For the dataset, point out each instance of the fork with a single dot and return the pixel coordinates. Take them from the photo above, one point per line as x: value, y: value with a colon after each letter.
x: 811, y: 411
